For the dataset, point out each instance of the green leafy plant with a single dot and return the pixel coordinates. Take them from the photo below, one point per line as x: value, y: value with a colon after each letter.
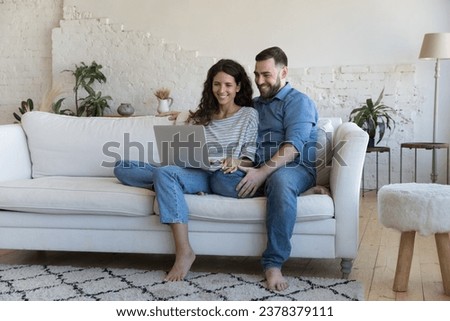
x: 373, y: 117
x: 25, y: 106
x: 94, y: 104
x: 56, y: 108
x: 85, y: 77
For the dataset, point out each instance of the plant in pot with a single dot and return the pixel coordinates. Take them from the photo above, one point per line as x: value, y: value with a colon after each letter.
x: 164, y: 99
x: 85, y: 76
x: 25, y: 106
x: 49, y: 105
x: 374, y: 117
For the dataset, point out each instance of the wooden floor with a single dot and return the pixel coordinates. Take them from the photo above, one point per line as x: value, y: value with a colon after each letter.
x: 374, y: 266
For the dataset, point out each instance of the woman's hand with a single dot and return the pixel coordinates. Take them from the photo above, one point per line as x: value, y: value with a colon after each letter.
x: 230, y: 165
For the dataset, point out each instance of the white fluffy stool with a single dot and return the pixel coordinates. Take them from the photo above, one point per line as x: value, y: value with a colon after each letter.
x: 421, y: 208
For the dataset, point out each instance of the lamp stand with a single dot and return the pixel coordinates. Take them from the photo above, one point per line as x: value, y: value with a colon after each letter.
x: 434, y: 174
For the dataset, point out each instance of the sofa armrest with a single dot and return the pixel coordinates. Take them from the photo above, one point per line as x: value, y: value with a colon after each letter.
x: 350, y: 144
x: 15, y: 160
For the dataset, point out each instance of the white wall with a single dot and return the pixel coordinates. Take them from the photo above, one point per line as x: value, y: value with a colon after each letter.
x: 314, y: 33
x: 25, y: 51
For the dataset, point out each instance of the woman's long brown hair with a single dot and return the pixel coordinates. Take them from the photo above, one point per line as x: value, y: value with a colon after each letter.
x: 208, y: 104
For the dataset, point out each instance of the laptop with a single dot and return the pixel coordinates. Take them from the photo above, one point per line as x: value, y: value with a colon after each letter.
x: 184, y: 146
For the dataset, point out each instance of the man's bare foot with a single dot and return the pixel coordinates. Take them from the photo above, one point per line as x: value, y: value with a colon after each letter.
x: 275, y: 280
x: 181, y: 267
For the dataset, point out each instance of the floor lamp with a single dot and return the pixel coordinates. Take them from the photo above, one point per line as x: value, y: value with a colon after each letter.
x: 435, y: 46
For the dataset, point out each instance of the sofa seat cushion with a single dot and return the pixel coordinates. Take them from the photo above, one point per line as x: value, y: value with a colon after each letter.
x: 225, y: 209
x: 75, y: 195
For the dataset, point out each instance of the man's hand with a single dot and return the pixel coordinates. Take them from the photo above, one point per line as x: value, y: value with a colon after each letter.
x: 172, y: 115
x: 254, y: 178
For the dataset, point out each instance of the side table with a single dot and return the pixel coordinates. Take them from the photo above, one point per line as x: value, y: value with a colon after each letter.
x: 378, y: 150
x: 421, y: 145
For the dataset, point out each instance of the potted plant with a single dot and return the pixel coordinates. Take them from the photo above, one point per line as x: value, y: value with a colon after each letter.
x: 48, y: 102
x: 374, y: 117
x: 25, y: 106
x: 85, y: 76
x: 164, y: 99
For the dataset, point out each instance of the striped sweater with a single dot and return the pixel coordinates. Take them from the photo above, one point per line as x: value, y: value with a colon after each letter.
x: 234, y: 136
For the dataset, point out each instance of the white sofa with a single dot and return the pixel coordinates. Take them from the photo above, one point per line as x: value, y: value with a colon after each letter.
x: 58, y: 192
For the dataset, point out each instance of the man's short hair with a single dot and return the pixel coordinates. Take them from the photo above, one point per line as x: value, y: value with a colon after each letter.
x: 273, y: 52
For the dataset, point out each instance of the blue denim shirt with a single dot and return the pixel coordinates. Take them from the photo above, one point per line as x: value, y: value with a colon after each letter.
x: 289, y: 117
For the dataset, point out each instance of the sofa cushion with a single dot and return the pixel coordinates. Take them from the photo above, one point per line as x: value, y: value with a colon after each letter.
x: 87, y: 146
x: 324, y: 154
x: 212, y: 207
x: 75, y: 195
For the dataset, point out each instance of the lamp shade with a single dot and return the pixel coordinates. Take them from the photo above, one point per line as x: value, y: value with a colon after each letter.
x: 435, y: 46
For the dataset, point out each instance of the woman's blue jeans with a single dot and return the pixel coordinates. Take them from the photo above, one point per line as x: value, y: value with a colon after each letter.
x: 281, y: 190
x: 134, y: 173
x: 170, y: 184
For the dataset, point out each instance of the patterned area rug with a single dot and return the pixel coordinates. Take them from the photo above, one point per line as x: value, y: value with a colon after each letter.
x: 64, y: 283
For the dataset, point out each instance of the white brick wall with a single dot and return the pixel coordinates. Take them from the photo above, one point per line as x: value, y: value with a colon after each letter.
x: 337, y: 90
x: 25, y: 51
x: 136, y: 63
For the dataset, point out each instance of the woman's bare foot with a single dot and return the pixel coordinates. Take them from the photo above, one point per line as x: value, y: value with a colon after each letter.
x: 181, y: 267
x: 275, y: 280
x: 184, y: 255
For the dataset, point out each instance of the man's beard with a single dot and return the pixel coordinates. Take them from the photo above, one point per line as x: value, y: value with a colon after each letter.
x: 272, y: 90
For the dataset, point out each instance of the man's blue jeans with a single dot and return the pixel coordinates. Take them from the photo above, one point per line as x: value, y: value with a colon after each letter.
x: 281, y: 190
x: 170, y: 184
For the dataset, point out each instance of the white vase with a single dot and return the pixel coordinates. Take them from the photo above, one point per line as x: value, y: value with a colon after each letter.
x: 164, y: 105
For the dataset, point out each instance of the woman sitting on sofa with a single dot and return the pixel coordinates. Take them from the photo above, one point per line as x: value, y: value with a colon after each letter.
x: 229, y: 120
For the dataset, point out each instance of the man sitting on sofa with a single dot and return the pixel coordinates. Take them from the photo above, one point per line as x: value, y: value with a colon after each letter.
x: 285, y: 168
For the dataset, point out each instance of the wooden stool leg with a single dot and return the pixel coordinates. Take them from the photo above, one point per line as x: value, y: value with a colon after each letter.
x: 405, y: 254
x: 443, y: 249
